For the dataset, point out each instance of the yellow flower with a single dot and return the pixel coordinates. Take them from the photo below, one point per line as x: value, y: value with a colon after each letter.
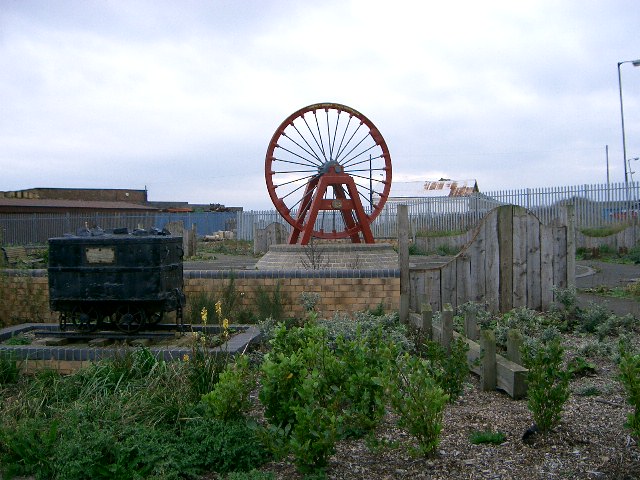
x: 219, y: 309
x: 225, y: 323
x: 204, y: 314
x: 185, y: 358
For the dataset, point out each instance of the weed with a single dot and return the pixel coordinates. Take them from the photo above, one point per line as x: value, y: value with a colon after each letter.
x: 487, y: 437
x: 270, y: 305
x: 579, y: 367
x: 8, y: 368
x: 588, y: 391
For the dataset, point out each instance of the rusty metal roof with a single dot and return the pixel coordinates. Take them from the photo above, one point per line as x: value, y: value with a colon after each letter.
x: 433, y: 188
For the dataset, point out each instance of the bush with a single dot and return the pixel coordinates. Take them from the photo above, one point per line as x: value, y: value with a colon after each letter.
x: 630, y: 378
x: 229, y: 399
x: 450, y: 371
x: 417, y: 399
x: 316, y: 390
x: 548, y: 381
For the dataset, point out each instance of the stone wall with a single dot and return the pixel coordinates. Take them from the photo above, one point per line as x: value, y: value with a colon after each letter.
x: 24, y: 294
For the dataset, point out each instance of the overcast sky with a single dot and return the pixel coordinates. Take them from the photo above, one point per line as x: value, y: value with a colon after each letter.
x: 183, y: 97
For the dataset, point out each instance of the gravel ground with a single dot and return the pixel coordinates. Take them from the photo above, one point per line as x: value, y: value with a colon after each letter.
x: 590, y: 443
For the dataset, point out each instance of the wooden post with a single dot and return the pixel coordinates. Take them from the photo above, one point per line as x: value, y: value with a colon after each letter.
x: 404, y: 308
x: 488, y: 375
x: 427, y: 320
x: 471, y: 326
x: 447, y: 327
x: 403, y: 260
x: 505, y: 247
x: 514, y: 342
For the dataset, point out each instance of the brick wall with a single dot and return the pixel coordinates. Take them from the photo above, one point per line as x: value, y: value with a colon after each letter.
x: 24, y: 294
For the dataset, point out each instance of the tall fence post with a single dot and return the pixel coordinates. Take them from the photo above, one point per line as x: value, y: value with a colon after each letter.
x: 447, y: 327
x: 514, y: 343
x: 427, y: 320
x: 571, y: 244
x: 471, y: 326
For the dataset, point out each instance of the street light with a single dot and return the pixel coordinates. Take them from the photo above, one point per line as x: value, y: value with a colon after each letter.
x: 635, y: 63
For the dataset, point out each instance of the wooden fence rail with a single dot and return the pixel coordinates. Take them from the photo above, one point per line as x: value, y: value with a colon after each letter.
x: 496, y: 371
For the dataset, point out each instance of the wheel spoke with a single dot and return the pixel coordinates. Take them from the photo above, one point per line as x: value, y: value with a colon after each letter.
x: 308, y: 148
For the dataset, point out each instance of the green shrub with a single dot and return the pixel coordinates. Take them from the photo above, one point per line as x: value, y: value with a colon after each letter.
x: 449, y: 370
x: 487, y: 436
x: 634, y: 254
x: 630, y: 378
x: 417, y: 399
x: 316, y: 390
x: 592, y: 317
x: 222, y: 446
x: 548, y: 381
x: 229, y: 398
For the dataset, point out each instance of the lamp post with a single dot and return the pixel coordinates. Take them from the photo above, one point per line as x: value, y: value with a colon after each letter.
x: 635, y: 63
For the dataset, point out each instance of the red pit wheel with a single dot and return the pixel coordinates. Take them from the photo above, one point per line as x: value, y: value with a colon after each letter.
x: 328, y: 172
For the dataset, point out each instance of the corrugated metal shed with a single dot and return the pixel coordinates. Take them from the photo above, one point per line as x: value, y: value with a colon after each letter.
x: 433, y: 188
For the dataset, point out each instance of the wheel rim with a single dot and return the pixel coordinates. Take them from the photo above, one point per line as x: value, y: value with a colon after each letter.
x: 84, y: 319
x: 314, y: 140
x: 129, y: 319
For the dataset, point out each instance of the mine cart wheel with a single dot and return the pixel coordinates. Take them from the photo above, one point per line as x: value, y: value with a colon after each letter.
x: 328, y: 172
x: 154, y: 318
x: 130, y: 319
x: 84, y: 319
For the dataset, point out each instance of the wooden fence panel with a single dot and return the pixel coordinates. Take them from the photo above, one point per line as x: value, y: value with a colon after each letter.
x: 520, y: 254
x: 492, y: 271
x: 534, y: 262
x: 559, y: 257
x: 546, y: 265
x: 512, y: 261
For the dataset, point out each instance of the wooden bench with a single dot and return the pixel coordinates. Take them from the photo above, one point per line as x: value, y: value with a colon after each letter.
x: 18, y: 256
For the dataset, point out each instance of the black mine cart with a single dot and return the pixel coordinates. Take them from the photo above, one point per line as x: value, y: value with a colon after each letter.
x: 115, y: 281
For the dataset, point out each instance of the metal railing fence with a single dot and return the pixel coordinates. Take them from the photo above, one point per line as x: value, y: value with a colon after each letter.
x: 595, y: 206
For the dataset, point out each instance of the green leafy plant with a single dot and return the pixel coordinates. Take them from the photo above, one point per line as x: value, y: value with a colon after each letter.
x: 449, y: 370
x: 487, y: 437
x: 548, y: 381
x: 630, y: 378
x: 229, y: 398
x: 579, y: 367
x: 417, y: 399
